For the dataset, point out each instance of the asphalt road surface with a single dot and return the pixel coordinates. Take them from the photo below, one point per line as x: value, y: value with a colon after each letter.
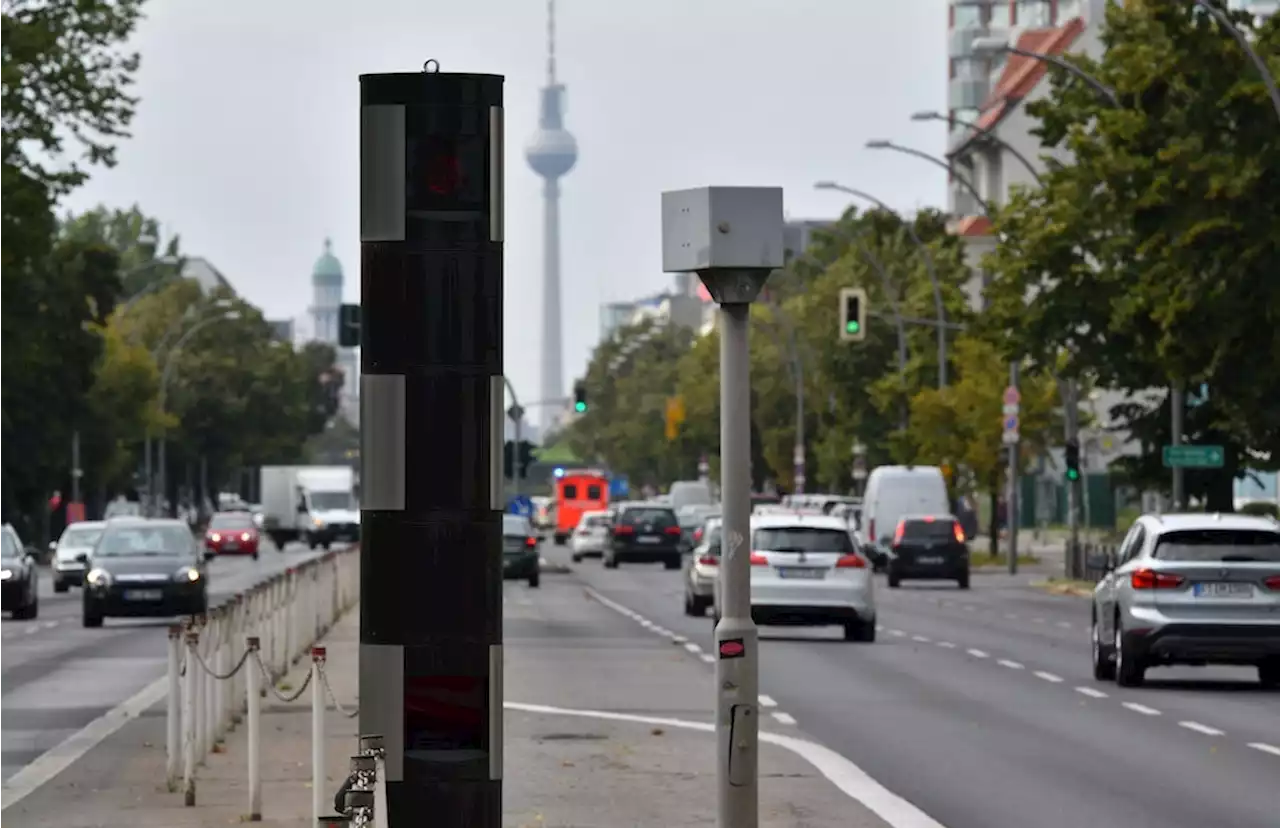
x: 57, y: 676
x: 979, y: 708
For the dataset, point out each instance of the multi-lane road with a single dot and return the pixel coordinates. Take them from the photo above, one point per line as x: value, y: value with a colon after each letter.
x: 58, y: 676
x: 979, y: 708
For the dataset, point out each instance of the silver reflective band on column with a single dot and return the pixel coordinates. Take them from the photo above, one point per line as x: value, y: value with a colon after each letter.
x: 382, y: 701
x: 382, y: 173
x: 495, y: 711
x: 497, y: 439
x: 497, y: 179
x: 382, y: 441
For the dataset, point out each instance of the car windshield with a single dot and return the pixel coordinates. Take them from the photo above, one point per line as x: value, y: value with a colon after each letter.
x: 928, y: 530
x: 330, y: 501
x: 658, y: 518
x: 80, y: 537
x: 596, y: 521
x: 231, y: 520
x: 144, y: 541
x: 802, y: 539
x: 1219, y: 545
x: 10, y: 551
x: 515, y: 526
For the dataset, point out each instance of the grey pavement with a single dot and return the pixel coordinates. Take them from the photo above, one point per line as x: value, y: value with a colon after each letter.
x: 978, y: 707
x: 57, y: 676
x: 563, y: 650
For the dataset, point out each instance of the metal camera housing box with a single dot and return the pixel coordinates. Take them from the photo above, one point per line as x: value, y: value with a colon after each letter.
x: 730, y: 236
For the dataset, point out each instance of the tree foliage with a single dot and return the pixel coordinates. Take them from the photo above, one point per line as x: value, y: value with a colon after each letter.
x: 1150, y: 260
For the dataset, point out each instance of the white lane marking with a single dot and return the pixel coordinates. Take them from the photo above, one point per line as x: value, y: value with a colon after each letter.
x: 1091, y: 693
x: 1012, y: 665
x: 679, y: 639
x: 1199, y: 728
x: 852, y: 780
x: 970, y: 607
x: 707, y: 657
x: 767, y: 701
x: 898, y: 633
x: 53, y: 762
x: 946, y: 645
x: 1141, y: 708
x: 693, y: 648
x: 784, y: 718
x: 32, y: 629
x: 664, y: 632
x: 1041, y: 674
x: 1066, y: 625
x: 1037, y: 620
x: 976, y: 653
x: 920, y: 638
x: 1010, y: 616
x: 880, y: 627
x: 48, y: 625
x: 1265, y: 748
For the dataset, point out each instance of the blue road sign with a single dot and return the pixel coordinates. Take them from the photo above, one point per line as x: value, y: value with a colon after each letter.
x: 619, y: 486
x: 520, y: 505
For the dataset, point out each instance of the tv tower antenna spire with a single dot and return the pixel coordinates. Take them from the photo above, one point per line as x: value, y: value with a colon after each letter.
x: 551, y: 42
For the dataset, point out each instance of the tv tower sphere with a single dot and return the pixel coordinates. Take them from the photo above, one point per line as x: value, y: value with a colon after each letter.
x: 551, y: 152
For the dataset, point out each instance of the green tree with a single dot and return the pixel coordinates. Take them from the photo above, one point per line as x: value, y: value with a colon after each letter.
x: 137, y: 238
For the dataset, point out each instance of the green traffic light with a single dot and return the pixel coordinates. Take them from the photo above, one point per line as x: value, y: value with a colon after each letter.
x: 580, y: 406
x: 851, y: 326
x: 1073, y: 474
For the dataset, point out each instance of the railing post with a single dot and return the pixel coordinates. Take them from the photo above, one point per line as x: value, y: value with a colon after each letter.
x: 253, y: 704
x: 317, y: 733
x: 173, y: 710
x: 194, y: 667
x: 222, y: 663
x: 191, y: 686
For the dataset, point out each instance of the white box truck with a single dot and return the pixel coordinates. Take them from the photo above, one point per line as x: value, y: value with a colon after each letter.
x: 313, y: 504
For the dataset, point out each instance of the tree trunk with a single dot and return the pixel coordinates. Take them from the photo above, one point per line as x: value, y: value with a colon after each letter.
x: 993, y: 533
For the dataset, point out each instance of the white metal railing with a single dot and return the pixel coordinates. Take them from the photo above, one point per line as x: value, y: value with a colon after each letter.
x: 218, y: 663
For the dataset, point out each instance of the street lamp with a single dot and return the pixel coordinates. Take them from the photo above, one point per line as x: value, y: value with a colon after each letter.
x: 229, y: 316
x: 933, y: 159
x: 928, y: 263
x: 985, y: 133
x: 995, y: 45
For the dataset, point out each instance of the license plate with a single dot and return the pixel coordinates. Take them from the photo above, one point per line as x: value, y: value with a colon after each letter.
x: 231, y: 546
x: 804, y: 574
x: 143, y: 595
x: 1223, y: 590
x: 929, y: 559
x: 644, y: 539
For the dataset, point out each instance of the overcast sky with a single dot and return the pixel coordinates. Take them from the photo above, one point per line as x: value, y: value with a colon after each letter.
x: 246, y: 139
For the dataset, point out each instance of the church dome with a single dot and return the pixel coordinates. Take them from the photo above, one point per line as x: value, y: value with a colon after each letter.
x: 327, y: 270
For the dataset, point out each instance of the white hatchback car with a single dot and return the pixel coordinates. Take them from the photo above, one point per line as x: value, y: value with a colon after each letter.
x: 590, y: 536
x: 806, y: 571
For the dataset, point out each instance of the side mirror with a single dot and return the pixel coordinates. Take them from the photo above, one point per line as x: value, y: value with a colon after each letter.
x: 83, y: 557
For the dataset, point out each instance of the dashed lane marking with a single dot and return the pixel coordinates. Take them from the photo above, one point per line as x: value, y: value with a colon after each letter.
x: 1091, y: 692
x: 783, y: 718
x: 1265, y: 748
x: 976, y: 653
x: 767, y: 701
x: 1141, y: 708
x: 922, y: 639
x: 946, y: 645
x: 1050, y: 677
x: 693, y: 648
x: 1012, y: 665
x: 1199, y: 728
x: 707, y: 657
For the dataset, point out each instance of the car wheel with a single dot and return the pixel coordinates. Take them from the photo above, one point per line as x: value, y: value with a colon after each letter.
x: 963, y: 581
x: 691, y: 607
x: 1130, y: 671
x: 91, y: 619
x: 672, y: 563
x: 61, y: 586
x: 1104, y: 669
x: 863, y: 631
x: 255, y: 556
x: 1269, y: 674
x: 535, y: 580
x: 610, y: 562
x: 27, y: 611
x: 894, y: 580
x: 576, y: 558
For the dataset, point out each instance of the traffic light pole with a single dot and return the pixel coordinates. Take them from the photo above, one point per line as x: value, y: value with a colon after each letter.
x: 1071, y: 421
x: 432, y: 412
x: 1011, y: 499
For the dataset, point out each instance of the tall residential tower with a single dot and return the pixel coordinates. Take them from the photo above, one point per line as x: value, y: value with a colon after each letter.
x: 552, y: 153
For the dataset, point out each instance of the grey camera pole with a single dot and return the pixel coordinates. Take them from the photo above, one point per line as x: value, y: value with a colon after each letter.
x: 732, y: 238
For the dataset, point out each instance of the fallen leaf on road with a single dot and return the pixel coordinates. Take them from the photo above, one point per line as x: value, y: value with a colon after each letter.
x: 657, y: 731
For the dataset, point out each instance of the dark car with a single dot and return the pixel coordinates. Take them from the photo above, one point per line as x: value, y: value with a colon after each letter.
x: 145, y: 569
x: 929, y: 547
x: 232, y: 533
x: 644, y: 533
x: 520, y: 558
x: 19, y: 578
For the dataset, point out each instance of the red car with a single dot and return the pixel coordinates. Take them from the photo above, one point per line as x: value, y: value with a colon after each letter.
x: 232, y: 533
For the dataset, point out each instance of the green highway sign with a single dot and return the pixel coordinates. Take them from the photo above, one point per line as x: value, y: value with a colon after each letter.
x: 1194, y: 457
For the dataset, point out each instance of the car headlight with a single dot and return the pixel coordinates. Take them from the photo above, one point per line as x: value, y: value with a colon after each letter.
x: 6, y: 574
x: 319, y: 524
x: 98, y: 577
x: 188, y: 574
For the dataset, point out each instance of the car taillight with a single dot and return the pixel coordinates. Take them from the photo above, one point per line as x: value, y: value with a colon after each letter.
x: 958, y: 531
x: 851, y: 561
x: 759, y: 560
x: 531, y: 542
x: 672, y: 530
x: 899, y: 532
x: 709, y: 560
x: 697, y: 535
x: 1150, y: 579
x: 624, y: 530
x: 1273, y: 582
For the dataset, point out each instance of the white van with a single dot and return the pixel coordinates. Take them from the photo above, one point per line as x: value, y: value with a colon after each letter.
x: 896, y: 491
x: 690, y: 493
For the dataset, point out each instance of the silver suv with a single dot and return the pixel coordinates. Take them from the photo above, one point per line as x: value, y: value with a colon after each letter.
x: 1190, y: 589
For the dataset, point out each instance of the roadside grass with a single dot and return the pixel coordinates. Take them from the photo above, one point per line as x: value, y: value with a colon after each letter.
x: 986, y: 559
x: 1065, y: 586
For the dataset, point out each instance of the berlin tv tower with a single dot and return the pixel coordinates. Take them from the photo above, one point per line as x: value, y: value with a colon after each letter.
x: 551, y: 153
